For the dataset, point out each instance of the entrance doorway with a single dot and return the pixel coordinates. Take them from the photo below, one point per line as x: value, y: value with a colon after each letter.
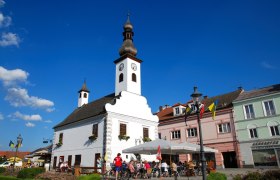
x: 230, y: 159
x: 97, y: 155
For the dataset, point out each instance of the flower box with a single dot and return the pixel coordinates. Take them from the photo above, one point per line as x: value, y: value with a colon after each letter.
x: 58, y: 144
x: 146, y: 139
x: 92, y: 137
x: 123, y: 137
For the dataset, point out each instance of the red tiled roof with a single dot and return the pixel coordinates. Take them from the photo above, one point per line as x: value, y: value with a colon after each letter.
x: 224, y: 101
x: 9, y: 154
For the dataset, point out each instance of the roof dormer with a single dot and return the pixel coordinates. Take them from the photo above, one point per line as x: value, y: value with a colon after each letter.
x: 178, y: 109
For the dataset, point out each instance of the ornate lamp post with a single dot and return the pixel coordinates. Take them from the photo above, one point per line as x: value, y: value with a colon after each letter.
x: 197, y: 102
x: 19, y: 141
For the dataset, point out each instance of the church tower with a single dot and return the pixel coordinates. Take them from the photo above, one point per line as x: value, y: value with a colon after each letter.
x: 128, y: 67
x: 83, y: 95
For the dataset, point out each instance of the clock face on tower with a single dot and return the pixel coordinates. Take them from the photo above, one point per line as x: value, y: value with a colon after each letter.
x: 134, y: 66
x: 121, y: 66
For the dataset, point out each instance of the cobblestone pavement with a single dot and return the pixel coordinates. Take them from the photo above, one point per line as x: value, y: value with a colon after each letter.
x: 230, y: 173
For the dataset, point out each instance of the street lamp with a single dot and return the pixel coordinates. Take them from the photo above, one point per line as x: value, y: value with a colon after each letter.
x: 197, y: 102
x: 19, y: 141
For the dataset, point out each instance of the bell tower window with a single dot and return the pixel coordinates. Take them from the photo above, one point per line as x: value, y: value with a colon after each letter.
x: 85, y: 95
x: 133, y: 77
x: 121, y: 77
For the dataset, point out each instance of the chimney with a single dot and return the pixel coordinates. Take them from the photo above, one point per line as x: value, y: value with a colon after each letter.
x: 160, y: 108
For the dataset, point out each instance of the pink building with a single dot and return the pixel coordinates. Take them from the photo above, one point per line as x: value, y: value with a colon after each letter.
x: 218, y: 133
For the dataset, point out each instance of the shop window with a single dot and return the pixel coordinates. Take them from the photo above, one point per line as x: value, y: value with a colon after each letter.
x: 176, y: 134
x: 266, y: 157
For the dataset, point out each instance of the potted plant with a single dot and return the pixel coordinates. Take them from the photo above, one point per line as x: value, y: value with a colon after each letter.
x: 92, y: 137
x: 123, y: 137
x: 146, y: 139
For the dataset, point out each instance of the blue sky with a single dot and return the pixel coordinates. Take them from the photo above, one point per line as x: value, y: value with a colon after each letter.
x: 48, y: 48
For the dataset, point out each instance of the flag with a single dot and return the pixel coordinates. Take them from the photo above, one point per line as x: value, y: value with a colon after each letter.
x: 11, y: 144
x: 19, y: 144
x: 106, y: 157
x: 201, y: 110
x: 158, y: 153
x: 188, y: 112
x: 212, y: 108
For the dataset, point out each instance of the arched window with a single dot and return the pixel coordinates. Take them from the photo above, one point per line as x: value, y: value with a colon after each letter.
x: 85, y: 95
x: 252, y: 130
x: 80, y: 94
x: 133, y: 77
x: 274, y: 128
x: 121, y: 77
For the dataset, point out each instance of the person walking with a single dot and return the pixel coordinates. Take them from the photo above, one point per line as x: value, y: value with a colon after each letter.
x: 118, y: 164
x: 99, y: 163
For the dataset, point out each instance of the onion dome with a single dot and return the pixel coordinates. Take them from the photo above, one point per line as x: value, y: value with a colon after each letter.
x: 128, y: 46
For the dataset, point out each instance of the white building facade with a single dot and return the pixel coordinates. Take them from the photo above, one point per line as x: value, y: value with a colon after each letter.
x: 108, y: 125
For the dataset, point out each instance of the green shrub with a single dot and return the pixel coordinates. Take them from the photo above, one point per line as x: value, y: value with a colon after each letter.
x: 272, y: 175
x: 216, y: 176
x: 30, y: 172
x: 253, y: 176
x: 237, y: 177
x: 8, y: 178
x: 90, y: 177
x: 2, y: 169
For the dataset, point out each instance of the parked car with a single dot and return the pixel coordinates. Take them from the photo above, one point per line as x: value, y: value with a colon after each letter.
x: 8, y: 163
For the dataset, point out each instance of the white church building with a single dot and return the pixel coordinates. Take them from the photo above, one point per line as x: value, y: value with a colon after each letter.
x: 106, y: 126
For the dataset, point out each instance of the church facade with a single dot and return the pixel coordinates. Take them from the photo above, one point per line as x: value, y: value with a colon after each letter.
x: 106, y: 126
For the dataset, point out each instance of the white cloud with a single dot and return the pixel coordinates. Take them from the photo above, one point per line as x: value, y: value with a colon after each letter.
x: 10, y: 77
x: 1, y: 116
x: 5, y: 21
x: 19, y: 97
x: 29, y: 124
x: 34, y: 117
x: 9, y: 39
x: 50, y: 109
x: 2, y: 3
x: 48, y: 121
x: 267, y: 65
